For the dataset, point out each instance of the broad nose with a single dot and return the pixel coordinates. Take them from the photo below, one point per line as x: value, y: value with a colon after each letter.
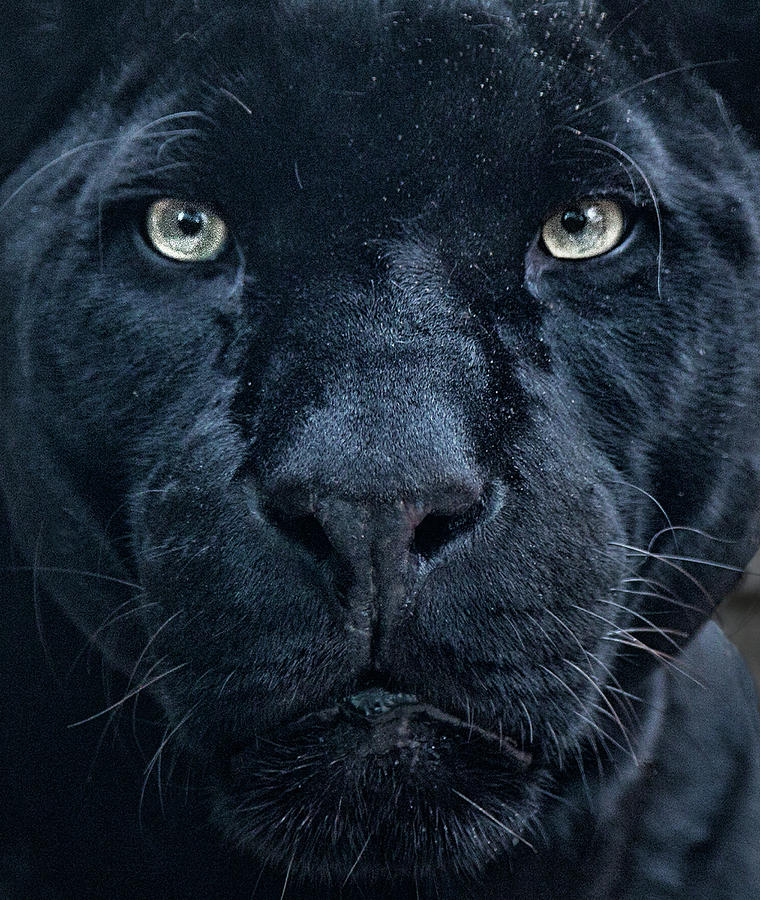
x: 372, y: 550
x: 362, y: 533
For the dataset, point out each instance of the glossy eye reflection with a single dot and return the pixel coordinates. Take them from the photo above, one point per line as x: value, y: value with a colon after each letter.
x: 185, y: 231
x: 586, y: 229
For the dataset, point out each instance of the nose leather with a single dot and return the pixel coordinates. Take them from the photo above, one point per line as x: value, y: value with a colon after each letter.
x: 375, y: 547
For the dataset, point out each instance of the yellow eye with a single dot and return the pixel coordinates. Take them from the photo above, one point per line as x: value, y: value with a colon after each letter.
x: 185, y: 231
x: 585, y: 229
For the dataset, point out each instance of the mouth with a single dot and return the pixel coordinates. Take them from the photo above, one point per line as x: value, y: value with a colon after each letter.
x: 381, y: 724
x: 381, y: 709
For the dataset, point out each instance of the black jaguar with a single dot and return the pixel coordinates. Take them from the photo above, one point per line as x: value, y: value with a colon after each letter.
x: 380, y: 403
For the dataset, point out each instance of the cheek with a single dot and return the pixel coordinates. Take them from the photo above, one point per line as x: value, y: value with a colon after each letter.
x: 536, y: 591
x: 108, y: 308
x: 243, y: 605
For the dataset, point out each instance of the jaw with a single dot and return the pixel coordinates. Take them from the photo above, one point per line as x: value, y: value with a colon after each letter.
x: 405, y: 789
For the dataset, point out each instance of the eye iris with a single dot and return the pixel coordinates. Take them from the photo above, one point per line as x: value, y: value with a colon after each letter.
x: 184, y: 231
x: 190, y: 221
x: 589, y: 228
x: 573, y: 221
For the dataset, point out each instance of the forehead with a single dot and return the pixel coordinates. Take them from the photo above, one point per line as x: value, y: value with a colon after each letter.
x: 350, y: 116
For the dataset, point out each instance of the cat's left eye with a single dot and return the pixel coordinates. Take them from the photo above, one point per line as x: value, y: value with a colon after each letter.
x: 584, y: 229
x: 184, y: 231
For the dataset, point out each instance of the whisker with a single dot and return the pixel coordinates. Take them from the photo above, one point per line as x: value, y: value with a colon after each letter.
x: 668, y: 562
x: 618, y: 25
x: 148, y: 644
x: 647, y: 182
x: 84, y: 573
x: 528, y: 719
x: 606, y: 699
x: 356, y: 863
x: 173, y: 117
x: 640, y: 629
x: 655, y: 596
x: 533, y: 621
x: 492, y: 818
x: 167, y: 736
x: 236, y: 99
x: 127, y: 696
x: 89, y: 145
x: 708, y: 562
x: 147, y: 675
x: 667, y: 596
x: 696, y: 531
x: 656, y: 502
x: 36, y: 604
x: 225, y: 683
x: 663, y: 631
x: 111, y: 620
x: 665, y: 658
x: 287, y: 876
x: 679, y: 70
x: 592, y: 658
x: 53, y: 162
x: 639, y: 579
x: 640, y: 645
x: 595, y: 726
x: 627, y: 694
x: 652, y: 594
x: 558, y: 746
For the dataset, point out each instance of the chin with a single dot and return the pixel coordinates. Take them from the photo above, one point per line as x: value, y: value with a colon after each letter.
x: 378, y: 787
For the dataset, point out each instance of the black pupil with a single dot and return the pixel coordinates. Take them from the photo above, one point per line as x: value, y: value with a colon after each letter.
x: 573, y: 221
x: 190, y: 222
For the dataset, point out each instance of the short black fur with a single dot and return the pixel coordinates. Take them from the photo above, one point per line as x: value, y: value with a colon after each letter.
x: 397, y: 535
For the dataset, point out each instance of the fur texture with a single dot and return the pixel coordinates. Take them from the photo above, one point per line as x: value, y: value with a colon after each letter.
x: 397, y: 535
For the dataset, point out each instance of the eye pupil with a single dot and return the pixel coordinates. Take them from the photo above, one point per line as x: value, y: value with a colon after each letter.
x: 573, y: 221
x: 190, y: 221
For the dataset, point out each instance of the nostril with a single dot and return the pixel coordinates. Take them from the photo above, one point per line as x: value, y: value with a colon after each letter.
x: 436, y: 531
x: 357, y: 536
x: 306, y: 531
x: 454, y: 516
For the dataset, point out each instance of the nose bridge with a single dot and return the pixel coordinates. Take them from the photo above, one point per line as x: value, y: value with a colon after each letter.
x: 375, y: 474
x: 393, y: 385
x: 378, y: 448
x: 384, y: 372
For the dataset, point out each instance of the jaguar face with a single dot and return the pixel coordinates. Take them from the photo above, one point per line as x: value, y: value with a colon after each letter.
x: 391, y: 356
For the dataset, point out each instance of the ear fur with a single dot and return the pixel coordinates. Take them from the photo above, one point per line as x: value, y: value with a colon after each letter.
x: 723, y: 37
x: 50, y: 50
